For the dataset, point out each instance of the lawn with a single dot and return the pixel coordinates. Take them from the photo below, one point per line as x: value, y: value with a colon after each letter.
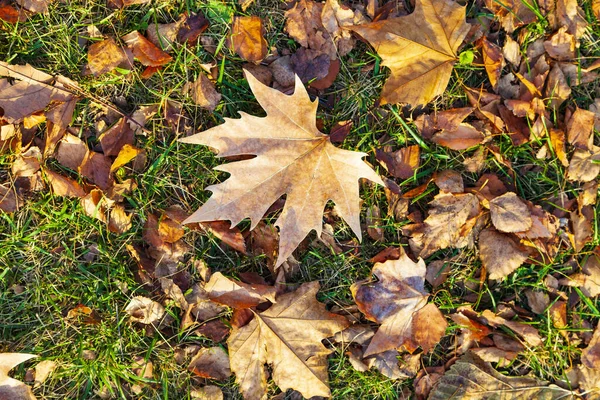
x: 54, y: 256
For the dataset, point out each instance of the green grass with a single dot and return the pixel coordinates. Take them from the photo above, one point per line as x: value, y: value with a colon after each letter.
x: 42, y: 247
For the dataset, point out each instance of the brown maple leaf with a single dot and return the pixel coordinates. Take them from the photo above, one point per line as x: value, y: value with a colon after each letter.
x: 292, y: 158
x: 398, y: 301
x: 288, y: 337
x: 420, y: 49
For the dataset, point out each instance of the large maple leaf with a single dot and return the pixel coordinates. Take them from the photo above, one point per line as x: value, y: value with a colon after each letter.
x: 292, y: 158
x: 287, y: 336
x: 419, y: 49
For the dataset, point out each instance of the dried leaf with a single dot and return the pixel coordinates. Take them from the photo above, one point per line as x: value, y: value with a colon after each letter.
x: 287, y: 336
x: 42, y: 371
x: 104, y: 57
x: 63, y: 186
x: 211, y: 363
x: 293, y: 158
x: 203, y: 92
x: 500, y: 253
x: 472, y: 378
x: 510, y: 214
x: 32, y: 93
x: 420, y: 50
x: 146, y: 52
x: 142, y: 309
x: 462, y: 138
x: 493, y: 61
x: 402, y: 163
x: 444, y: 226
x: 10, y: 14
x: 584, y: 165
x: 234, y: 294
x: 398, y: 301
x: 580, y: 129
x: 247, y: 38
x: 126, y: 154
x: 10, y: 388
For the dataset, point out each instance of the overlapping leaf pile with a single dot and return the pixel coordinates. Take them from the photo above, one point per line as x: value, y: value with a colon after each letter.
x: 283, y: 164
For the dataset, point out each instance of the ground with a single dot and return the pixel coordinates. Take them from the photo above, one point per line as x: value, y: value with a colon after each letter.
x: 43, y: 245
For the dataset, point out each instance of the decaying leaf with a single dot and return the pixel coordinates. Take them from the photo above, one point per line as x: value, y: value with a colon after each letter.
x: 420, y: 50
x: 398, y: 301
x: 293, y: 158
x: 472, y: 378
x: 10, y: 388
x: 288, y: 337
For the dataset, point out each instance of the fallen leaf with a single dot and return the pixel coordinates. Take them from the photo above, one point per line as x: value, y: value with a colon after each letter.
x: 35, y: 6
x: 10, y: 14
x: 31, y: 92
x: 126, y: 154
x: 209, y: 392
x: 143, y: 310
x: 234, y: 294
x: 288, y: 337
x: 223, y: 231
x: 192, y: 28
x: 500, y: 253
x: 401, y: 163
x: 569, y: 14
x: 104, y: 57
x: 509, y: 213
x: 512, y: 51
x: 444, y: 226
x: 43, y: 370
x: 293, y: 158
x: 580, y: 129
x: 164, y: 35
x: 115, y: 137
x: 493, y: 61
x: 449, y: 181
x: 511, y: 13
x: 63, y: 186
x: 71, y: 151
x: 561, y: 45
x: 588, y: 279
x: 10, y: 388
x: 420, y: 50
x: 462, y: 138
x: 584, y: 165
x: 96, y: 168
x: 9, y: 201
x: 247, y: 38
x: 398, y: 301
x: 211, y: 363
x: 203, y: 92
x: 527, y: 332
x: 472, y: 378
x: 146, y: 52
